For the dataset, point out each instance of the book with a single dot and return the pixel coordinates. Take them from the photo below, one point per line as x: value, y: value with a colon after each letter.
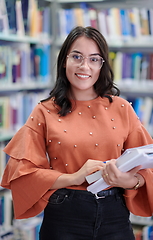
x: 144, y: 21
x: 136, y: 22
x: 33, y: 19
x: 93, y: 17
x: 78, y: 14
x: 125, y: 22
x: 19, y: 18
x: 148, y: 106
x: 46, y: 26
x: 131, y: 158
x: 11, y: 13
x: 116, y: 20
x: 102, y: 22
x: 151, y: 67
x: 86, y: 17
x: 4, y: 23
x: 25, y: 10
x: 118, y: 65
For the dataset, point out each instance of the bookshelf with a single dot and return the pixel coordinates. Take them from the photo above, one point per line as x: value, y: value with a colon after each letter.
x: 24, y: 56
x: 138, y: 38
x: 128, y: 29
x: 25, y: 78
x: 27, y: 39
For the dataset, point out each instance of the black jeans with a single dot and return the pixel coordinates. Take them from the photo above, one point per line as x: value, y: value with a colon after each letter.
x: 78, y: 215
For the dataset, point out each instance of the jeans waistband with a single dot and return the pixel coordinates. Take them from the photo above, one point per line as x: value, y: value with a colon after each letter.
x: 108, y: 192
x: 86, y: 194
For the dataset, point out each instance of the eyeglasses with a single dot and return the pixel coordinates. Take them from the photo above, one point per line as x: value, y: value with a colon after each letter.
x: 94, y: 61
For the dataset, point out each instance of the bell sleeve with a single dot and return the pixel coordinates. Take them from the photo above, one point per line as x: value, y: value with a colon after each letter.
x: 27, y: 173
x: 140, y: 201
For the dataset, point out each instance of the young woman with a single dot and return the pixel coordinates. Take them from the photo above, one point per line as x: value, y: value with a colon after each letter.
x: 70, y: 135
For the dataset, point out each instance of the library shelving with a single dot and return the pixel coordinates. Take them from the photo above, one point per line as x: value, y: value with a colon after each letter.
x: 25, y: 79
x: 128, y: 29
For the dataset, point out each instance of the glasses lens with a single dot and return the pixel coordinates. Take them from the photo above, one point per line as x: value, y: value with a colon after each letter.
x: 95, y: 62
x: 75, y: 58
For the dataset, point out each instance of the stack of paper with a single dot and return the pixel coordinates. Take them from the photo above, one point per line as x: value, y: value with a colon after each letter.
x: 131, y: 158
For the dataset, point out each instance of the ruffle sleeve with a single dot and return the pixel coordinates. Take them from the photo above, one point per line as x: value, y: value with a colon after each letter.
x: 140, y: 202
x: 28, y: 172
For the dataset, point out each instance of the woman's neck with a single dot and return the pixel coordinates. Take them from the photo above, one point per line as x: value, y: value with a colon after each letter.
x: 83, y: 95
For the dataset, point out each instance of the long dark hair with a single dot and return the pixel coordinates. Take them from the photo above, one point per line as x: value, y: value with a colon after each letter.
x: 104, y: 85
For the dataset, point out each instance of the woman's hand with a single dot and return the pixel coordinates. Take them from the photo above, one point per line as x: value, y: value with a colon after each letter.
x: 78, y: 177
x: 89, y: 167
x: 114, y: 177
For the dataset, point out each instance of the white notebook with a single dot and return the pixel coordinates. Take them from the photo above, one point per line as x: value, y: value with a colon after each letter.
x: 131, y: 158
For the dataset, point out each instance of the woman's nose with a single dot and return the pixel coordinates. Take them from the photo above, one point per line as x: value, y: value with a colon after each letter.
x: 84, y: 63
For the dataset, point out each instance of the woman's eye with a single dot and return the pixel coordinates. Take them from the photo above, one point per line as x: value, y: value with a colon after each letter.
x: 76, y: 56
x: 94, y: 59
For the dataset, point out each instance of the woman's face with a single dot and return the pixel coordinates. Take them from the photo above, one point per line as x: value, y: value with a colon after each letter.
x: 82, y: 76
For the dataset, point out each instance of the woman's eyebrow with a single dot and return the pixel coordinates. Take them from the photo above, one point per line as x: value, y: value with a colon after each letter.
x: 92, y: 54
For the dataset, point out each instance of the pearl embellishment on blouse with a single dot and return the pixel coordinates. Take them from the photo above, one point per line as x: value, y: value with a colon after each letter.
x: 90, y: 132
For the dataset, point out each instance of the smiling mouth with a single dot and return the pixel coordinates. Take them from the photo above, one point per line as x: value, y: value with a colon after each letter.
x: 82, y: 76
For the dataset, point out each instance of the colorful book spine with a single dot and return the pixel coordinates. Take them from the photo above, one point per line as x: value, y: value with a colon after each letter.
x: 18, y: 64
x: 23, y: 17
x: 124, y: 23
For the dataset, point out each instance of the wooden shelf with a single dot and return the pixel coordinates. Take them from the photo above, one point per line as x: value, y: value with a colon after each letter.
x: 6, y: 135
x: 121, y: 42
x: 43, y: 39
x: 139, y: 87
x: 23, y: 87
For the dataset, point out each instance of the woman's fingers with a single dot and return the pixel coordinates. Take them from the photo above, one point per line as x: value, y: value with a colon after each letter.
x: 109, y: 170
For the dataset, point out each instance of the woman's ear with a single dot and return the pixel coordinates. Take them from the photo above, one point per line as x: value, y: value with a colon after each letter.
x: 64, y: 65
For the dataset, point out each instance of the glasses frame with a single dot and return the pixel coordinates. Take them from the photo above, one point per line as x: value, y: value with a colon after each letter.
x: 83, y: 58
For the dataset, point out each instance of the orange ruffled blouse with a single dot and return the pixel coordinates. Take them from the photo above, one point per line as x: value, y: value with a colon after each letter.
x: 49, y: 145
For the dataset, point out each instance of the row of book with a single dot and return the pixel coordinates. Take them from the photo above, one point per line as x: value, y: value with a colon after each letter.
x: 113, y: 22
x: 144, y: 233
x: 6, y: 211
x: 20, y: 63
x: 143, y: 107
x: 11, y: 229
x: 14, y: 115
x: 3, y: 161
x: 131, y: 65
x: 27, y: 229
x: 142, y: 227
x: 15, y: 109
x: 23, y: 17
